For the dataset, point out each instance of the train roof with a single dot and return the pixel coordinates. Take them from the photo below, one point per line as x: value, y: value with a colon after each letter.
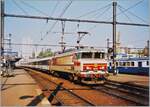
x: 40, y: 59
x: 133, y: 59
x: 65, y: 53
x: 71, y: 51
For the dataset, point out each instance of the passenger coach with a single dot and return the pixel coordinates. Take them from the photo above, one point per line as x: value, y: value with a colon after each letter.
x: 78, y: 64
x: 137, y: 66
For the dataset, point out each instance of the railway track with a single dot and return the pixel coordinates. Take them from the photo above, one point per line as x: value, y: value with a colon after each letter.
x: 137, y: 94
x: 69, y: 98
x: 132, y: 94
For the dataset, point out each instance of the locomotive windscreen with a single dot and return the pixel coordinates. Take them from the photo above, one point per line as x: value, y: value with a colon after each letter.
x: 99, y: 55
x: 86, y: 55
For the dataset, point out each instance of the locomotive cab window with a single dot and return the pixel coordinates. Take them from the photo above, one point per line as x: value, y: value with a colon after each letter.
x: 102, y: 55
x: 96, y: 55
x: 86, y: 55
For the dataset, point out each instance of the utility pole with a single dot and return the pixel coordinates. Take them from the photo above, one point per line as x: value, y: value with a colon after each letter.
x: 114, y: 37
x: 62, y: 37
x: 107, y: 48
x: 1, y: 31
x: 8, y: 50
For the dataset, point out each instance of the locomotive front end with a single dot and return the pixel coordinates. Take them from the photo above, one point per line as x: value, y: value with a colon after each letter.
x: 92, y: 66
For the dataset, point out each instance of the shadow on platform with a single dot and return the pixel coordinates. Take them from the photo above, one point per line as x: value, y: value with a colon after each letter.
x: 36, y: 100
x: 26, y: 96
x: 7, y: 86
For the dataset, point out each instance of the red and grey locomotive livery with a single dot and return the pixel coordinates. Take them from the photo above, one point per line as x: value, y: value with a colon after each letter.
x: 82, y: 64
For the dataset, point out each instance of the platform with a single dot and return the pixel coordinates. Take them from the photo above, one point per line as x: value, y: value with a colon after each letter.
x: 21, y: 90
x: 131, y: 79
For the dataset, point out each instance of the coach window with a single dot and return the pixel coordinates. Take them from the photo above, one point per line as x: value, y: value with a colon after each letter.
x: 147, y: 62
x: 87, y: 55
x: 120, y: 63
x: 128, y: 64
x: 139, y: 64
x: 116, y: 64
x: 124, y: 63
x: 132, y: 63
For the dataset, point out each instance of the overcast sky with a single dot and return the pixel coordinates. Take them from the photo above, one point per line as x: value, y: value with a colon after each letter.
x: 21, y: 29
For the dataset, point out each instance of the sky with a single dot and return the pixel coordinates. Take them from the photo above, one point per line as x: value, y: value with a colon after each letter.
x: 31, y: 30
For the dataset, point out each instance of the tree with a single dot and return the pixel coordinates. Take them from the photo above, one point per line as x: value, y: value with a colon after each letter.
x: 46, y: 53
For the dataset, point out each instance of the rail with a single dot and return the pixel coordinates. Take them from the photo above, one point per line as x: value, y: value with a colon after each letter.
x: 133, y: 93
x: 40, y: 78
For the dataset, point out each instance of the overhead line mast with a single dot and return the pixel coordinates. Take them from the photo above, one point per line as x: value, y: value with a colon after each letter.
x: 114, y: 37
x: 1, y: 31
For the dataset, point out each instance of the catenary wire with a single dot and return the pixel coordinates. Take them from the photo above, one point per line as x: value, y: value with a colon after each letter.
x: 91, y: 28
x: 125, y: 14
x: 14, y: 1
x: 54, y: 9
x: 128, y: 9
x: 134, y: 15
x: 30, y: 6
x: 99, y: 15
x: 90, y: 12
x: 65, y: 9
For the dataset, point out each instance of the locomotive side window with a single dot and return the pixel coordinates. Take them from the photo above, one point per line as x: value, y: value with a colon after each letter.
x: 86, y: 55
x: 78, y: 55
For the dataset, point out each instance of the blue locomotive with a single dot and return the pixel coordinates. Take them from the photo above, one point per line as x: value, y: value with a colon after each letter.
x: 138, y: 66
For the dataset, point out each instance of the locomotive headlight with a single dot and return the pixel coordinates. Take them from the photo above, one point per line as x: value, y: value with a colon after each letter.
x: 87, y: 67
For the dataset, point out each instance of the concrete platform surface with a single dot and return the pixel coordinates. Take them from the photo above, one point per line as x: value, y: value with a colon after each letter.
x: 132, y: 79
x: 21, y: 90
